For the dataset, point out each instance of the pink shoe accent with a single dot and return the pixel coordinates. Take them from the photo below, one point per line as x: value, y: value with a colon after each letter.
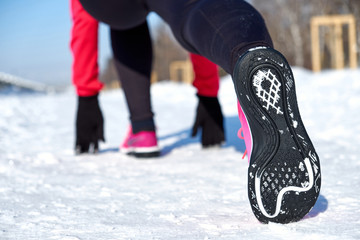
x: 141, y: 142
x: 243, y: 138
x: 245, y: 130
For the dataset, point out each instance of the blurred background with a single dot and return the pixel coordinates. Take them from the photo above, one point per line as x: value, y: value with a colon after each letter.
x: 34, y: 38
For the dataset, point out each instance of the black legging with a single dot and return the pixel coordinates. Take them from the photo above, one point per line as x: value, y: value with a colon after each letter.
x: 220, y: 30
x: 132, y: 52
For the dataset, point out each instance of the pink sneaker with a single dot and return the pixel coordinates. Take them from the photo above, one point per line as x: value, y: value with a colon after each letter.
x: 244, y: 132
x: 141, y: 144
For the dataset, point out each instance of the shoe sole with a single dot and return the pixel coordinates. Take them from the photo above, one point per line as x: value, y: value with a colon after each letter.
x: 142, y: 152
x: 284, y: 172
x: 145, y: 154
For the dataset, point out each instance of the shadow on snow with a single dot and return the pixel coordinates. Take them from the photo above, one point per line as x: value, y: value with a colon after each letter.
x: 183, y: 138
x: 320, y: 206
x: 231, y: 125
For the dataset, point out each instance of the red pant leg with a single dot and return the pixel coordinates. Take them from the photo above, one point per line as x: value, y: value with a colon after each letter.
x: 206, y: 76
x: 84, y: 46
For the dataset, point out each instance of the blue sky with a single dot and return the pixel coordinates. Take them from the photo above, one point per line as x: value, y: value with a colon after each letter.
x: 34, y: 40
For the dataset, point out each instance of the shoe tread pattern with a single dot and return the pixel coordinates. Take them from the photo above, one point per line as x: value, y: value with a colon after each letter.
x: 283, y: 156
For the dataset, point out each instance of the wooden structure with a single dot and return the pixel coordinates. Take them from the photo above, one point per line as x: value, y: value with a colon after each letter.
x: 335, y: 23
x: 186, y: 71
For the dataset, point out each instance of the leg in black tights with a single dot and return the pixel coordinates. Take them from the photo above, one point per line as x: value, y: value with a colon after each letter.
x: 132, y: 51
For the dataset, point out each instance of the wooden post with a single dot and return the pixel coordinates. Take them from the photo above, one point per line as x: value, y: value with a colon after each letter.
x: 154, y: 77
x: 339, y: 47
x: 315, y: 43
x: 352, y: 43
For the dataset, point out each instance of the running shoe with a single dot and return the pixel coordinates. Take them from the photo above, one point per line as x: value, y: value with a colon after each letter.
x: 284, y: 170
x: 142, y: 144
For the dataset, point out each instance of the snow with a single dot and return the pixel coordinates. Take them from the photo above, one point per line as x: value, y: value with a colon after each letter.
x: 46, y: 192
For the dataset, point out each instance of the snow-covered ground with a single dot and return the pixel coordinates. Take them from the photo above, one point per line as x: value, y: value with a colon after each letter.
x: 46, y: 192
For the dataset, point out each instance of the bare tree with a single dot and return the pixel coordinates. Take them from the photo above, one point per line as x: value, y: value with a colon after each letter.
x: 166, y: 50
x: 109, y: 75
x: 289, y: 23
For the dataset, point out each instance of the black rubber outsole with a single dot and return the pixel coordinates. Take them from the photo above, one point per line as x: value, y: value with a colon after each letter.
x: 144, y: 155
x: 284, y: 172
